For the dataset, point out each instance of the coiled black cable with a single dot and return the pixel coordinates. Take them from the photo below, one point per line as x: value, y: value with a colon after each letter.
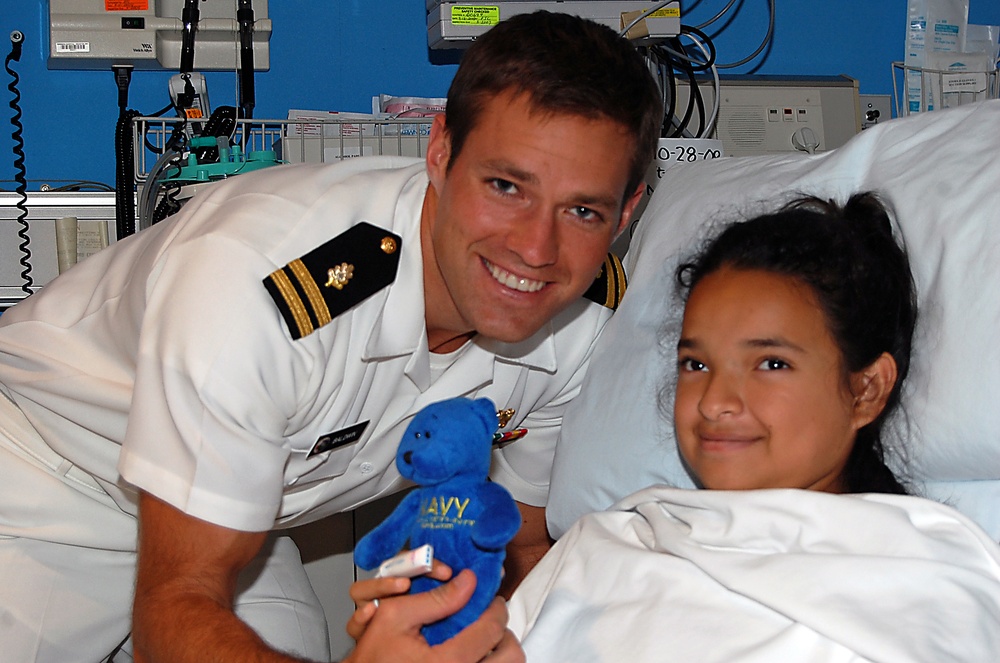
x: 168, y: 204
x: 125, y: 175
x: 20, y: 173
x: 124, y: 156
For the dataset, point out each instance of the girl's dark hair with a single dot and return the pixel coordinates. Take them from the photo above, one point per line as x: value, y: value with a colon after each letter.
x: 861, y: 277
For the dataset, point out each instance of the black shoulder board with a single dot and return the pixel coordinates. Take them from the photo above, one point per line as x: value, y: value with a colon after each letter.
x: 609, y: 286
x: 314, y: 289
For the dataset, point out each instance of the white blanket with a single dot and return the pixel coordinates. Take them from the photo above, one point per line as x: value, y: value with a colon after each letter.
x: 764, y: 576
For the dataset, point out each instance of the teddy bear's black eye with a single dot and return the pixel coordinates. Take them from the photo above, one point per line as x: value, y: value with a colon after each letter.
x: 418, y: 435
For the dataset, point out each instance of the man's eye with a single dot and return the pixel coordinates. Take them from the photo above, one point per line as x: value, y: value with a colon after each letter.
x: 585, y: 213
x: 773, y: 364
x: 691, y: 365
x: 505, y: 187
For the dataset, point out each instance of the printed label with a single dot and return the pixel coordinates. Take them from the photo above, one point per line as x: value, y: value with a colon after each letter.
x: 666, y: 12
x: 126, y: 5
x: 72, y: 47
x: 964, y: 82
x: 475, y: 15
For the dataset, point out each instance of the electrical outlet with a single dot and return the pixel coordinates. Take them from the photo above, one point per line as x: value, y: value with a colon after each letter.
x: 875, y: 108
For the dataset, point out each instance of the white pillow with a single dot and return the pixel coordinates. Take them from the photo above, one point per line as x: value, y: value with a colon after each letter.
x: 940, y: 172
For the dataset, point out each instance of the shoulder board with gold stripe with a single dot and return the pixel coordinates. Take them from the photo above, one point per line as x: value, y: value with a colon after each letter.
x: 312, y: 290
x: 609, y: 286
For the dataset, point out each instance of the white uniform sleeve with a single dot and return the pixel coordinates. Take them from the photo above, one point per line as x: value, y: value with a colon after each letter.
x: 215, y: 387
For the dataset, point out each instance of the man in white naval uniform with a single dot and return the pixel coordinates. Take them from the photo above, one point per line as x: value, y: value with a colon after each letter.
x: 250, y: 364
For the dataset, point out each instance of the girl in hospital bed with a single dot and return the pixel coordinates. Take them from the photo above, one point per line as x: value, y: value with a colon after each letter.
x: 795, y: 342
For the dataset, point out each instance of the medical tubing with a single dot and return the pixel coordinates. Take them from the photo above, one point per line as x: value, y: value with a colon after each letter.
x: 148, y: 194
x: 20, y: 173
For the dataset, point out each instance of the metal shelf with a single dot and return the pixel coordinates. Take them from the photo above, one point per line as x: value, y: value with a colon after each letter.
x: 954, y: 88
x: 293, y: 141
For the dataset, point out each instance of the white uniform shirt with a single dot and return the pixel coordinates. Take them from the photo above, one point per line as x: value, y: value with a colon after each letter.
x: 164, y: 357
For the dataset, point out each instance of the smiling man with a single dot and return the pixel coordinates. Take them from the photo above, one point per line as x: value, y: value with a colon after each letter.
x: 250, y: 364
x: 516, y: 225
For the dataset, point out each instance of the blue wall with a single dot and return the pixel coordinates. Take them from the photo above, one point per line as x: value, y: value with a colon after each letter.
x: 336, y: 54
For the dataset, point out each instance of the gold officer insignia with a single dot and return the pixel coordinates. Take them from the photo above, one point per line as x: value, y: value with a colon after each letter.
x: 337, y: 277
x: 309, y: 293
x: 504, y: 417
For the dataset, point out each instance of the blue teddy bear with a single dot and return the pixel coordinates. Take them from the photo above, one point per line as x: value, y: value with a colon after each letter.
x: 446, y: 451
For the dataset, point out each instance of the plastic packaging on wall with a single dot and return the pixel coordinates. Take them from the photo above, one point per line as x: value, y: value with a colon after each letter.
x: 931, y: 26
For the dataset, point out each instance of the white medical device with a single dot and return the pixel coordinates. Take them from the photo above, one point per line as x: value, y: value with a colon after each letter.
x: 148, y: 34
x: 458, y: 24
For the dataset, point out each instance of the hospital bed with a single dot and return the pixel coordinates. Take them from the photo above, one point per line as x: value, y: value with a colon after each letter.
x: 940, y: 172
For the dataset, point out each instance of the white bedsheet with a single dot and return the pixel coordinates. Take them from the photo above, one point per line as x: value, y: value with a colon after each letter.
x: 769, y: 576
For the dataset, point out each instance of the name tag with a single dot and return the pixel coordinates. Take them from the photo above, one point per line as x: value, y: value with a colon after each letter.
x: 337, y: 439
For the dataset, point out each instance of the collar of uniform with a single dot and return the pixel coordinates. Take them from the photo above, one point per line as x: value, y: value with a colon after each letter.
x: 400, y: 326
x: 537, y: 351
x: 475, y: 368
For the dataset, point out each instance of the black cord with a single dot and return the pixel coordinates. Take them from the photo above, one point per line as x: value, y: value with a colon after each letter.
x: 163, y: 110
x: 697, y: 65
x: 114, y: 652
x: 245, y: 19
x: 67, y: 185
x: 124, y: 156
x: 672, y: 63
x: 81, y: 185
x: 695, y: 96
x: 668, y: 116
x: 168, y: 204
x: 190, y: 16
x: 20, y: 173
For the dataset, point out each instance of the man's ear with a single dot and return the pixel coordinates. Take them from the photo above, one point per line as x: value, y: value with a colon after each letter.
x: 438, y: 151
x: 871, y: 387
x: 630, y: 204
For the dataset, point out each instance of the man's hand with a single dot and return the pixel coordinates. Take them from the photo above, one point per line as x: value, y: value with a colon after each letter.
x: 391, y: 631
x: 186, y: 579
x: 367, y: 593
